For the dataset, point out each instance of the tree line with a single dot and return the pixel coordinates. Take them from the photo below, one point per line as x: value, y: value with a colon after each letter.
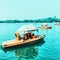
x: 32, y: 21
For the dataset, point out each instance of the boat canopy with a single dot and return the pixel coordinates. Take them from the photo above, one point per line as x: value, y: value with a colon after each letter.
x: 27, y: 28
x: 44, y: 24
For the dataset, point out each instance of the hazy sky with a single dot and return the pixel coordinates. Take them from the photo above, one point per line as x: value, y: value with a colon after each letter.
x: 29, y: 9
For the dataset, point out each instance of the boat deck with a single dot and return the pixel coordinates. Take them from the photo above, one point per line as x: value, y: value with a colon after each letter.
x: 19, y: 42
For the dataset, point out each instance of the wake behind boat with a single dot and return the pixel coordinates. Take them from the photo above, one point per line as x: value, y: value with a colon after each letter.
x: 28, y: 37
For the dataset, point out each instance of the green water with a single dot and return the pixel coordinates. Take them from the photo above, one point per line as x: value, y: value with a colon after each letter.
x: 48, y: 49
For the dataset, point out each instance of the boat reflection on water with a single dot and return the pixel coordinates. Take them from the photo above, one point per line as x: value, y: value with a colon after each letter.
x: 27, y: 53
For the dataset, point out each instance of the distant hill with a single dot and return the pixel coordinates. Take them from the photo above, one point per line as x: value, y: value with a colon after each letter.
x: 49, y: 19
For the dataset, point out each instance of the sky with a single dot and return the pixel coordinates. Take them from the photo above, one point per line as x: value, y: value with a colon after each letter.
x: 29, y: 9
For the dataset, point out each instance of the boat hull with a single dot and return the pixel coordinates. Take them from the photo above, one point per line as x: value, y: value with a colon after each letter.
x: 15, y: 42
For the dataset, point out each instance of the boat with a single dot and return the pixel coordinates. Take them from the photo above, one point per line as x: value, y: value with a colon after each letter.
x: 23, y: 30
x: 45, y: 26
x: 57, y: 23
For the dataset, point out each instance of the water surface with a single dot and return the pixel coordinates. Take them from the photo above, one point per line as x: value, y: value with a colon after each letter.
x: 48, y: 50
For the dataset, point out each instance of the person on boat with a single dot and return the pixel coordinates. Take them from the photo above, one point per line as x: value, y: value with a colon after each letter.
x: 29, y: 35
x: 17, y: 36
x: 33, y: 36
x: 25, y: 37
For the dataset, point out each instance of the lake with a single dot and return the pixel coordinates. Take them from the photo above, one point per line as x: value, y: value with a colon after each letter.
x: 49, y: 49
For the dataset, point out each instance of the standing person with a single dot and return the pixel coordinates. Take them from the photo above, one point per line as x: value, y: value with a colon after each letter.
x: 17, y: 36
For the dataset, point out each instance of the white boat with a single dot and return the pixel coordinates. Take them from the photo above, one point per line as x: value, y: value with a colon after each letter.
x: 24, y: 29
x: 57, y: 23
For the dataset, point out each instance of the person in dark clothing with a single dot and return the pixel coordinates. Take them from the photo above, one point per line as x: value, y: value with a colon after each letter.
x: 29, y: 35
x: 25, y: 37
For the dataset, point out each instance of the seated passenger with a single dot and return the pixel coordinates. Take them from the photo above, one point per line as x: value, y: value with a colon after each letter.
x: 33, y: 36
x: 25, y: 37
x: 29, y: 35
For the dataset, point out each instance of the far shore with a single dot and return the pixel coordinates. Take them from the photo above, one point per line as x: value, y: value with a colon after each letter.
x: 47, y: 20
